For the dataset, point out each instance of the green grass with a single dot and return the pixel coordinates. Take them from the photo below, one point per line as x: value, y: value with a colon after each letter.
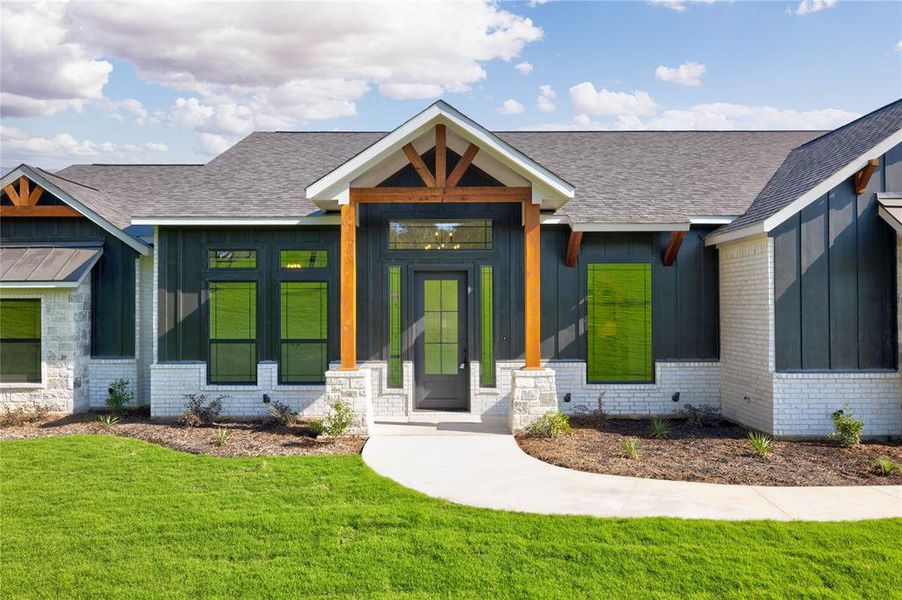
x: 107, y: 516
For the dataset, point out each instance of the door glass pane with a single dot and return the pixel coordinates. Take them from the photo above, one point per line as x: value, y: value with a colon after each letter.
x: 619, y: 315
x: 20, y: 341
x: 395, y: 371
x: 303, y: 331
x: 440, y: 326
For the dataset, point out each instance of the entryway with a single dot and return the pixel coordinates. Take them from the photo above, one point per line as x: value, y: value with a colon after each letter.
x: 440, y: 356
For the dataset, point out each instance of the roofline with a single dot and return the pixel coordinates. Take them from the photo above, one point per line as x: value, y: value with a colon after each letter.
x: 776, y: 219
x: 412, y: 128
x: 677, y: 226
x: 325, y: 219
x: 54, y: 189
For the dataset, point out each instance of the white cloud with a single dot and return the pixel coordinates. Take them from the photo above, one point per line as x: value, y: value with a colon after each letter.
x: 586, y: 99
x: 688, y: 73
x: 135, y: 108
x: 679, y: 5
x: 545, y: 102
x: 410, y: 91
x: 64, y: 149
x: 510, y: 107
x: 899, y: 46
x: 43, y: 72
x: 524, y: 67
x: 807, y: 7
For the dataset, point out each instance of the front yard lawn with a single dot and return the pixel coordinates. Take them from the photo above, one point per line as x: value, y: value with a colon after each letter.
x: 107, y: 516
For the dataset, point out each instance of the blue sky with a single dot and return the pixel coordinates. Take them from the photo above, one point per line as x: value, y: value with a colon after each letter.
x: 179, y: 83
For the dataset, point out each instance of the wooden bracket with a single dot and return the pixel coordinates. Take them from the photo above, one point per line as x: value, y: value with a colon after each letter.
x: 673, y: 247
x: 418, y: 164
x: 864, y: 175
x: 573, y: 244
x: 462, y: 165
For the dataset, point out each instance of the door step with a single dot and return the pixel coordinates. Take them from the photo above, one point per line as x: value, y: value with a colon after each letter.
x: 439, y: 416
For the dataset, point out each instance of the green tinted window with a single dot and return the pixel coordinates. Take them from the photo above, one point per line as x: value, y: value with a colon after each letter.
x: 303, y: 259
x: 619, y: 320
x: 233, y: 332
x: 486, y: 339
x: 440, y: 330
x: 395, y: 366
x: 303, y: 331
x: 232, y: 259
x: 20, y: 341
x: 460, y: 234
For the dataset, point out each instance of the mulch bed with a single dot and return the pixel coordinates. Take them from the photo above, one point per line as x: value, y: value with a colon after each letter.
x: 718, y: 454
x: 245, y: 439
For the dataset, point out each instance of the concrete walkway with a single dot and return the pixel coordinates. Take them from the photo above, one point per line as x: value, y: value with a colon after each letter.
x: 481, y: 465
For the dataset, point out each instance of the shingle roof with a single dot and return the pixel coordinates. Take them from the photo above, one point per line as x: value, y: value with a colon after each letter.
x: 620, y: 177
x: 813, y: 163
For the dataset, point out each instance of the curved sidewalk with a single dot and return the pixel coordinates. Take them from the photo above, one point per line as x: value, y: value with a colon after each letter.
x: 482, y: 466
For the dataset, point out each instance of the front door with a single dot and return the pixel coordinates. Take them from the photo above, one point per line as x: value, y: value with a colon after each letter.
x: 441, y: 364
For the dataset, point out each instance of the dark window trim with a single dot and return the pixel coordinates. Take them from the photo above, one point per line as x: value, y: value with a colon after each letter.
x: 420, y: 251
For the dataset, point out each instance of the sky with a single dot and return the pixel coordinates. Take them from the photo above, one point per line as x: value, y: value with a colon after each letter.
x: 97, y: 82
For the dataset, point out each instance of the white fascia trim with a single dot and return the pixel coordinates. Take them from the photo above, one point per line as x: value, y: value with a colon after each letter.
x: 139, y: 246
x: 729, y: 236
x: 889, y: 218
x: 684, y: 226
x: 17, y: 285
x: 712, y: 220
x: 546, y: 219
x: 831, y: 182
x: 328, y: 186
x: 330, y: 219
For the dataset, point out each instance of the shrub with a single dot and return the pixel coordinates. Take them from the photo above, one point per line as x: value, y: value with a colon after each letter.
x: 550, y: 425
x: 21, y: 416
x: 281, y: 414
x: 338, y: 419
x: 107, y: 421
x: 660, y: 428
x: 595, y: 415
x: 222, y: 436
x: 119, y: 396
x: 761, y: 443
x: 316, y: 427
x: 847, y: 429
x: 703, y: 416
x: 884, y: 466
x: 631, y: 448
x: 198, y: 412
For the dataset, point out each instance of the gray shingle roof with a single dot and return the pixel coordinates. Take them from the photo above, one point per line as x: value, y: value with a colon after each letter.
x: 620, y: 177
x: 815, y: 162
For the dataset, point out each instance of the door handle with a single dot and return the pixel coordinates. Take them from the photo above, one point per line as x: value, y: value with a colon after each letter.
x: 463, y: 365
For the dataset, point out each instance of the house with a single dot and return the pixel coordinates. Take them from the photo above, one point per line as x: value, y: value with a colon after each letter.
x: 443, y: 267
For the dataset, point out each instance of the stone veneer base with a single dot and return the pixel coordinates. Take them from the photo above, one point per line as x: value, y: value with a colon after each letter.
x: 533, y: 394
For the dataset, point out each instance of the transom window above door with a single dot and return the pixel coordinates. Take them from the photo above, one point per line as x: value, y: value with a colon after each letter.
x: 453, y: 234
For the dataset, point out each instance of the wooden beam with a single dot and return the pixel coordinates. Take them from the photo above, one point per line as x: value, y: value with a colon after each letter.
x: 673, y: 247
x: 34, y: 196
x: 573, y: 244
x: 419, y: 165
x: 348, y: 315
x: 39, y: 211
x: 532, y: 261
x: 864, y: 175
x: 462, y: 165
x: 441, y: 169
x: 13, y: 194
x: 23, y: 190
x: 382, y: 195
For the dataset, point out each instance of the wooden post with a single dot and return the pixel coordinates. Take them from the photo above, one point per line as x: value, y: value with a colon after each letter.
x: 441, y: 168
x: 348, y: 316
x: 532, y: 261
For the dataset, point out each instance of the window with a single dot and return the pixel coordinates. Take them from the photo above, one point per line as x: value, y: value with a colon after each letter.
x: 232, y: 259
x: 303, y: 259
x: 303, y: 331
x: 20, y: 341
x: 440, y: 330
x: 395, y: 367
x: 486, y: 339
x: 233, y: 332
x: 460, y: 234
x: 619, y: 320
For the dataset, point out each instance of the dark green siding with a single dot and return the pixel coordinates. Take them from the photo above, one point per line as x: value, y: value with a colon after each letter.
x: 835, y: 280
x: 184, y: 276
x: 112, y: 279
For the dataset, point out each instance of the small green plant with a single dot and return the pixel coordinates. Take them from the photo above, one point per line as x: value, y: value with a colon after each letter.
x: 550, y: 425
x: 119, y: 396
x: 222, y: 436
x: 847, y: 429
x: 281, y: 414
x: 885, y: 466
x: 107, y: 421
x: 762, y: 444
x: 660, y: 428
x: 338, y: 419
x: 631, y: 448
x: 198, y: 412
x: 316, y: 427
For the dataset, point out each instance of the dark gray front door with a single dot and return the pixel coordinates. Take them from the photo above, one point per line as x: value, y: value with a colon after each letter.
x: 441, y: 364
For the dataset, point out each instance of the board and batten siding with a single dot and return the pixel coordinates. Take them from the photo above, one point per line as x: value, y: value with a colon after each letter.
x: 835, y: 280
x: 112, y: 278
